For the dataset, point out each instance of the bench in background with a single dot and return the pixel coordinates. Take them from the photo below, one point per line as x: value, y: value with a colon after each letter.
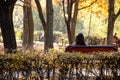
x: 91, y: 48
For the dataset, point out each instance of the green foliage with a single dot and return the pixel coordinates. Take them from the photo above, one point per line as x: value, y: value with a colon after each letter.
x: 19, y: 34
x: 57, y: 33
x: 59, y: 22
x: 37, y: 22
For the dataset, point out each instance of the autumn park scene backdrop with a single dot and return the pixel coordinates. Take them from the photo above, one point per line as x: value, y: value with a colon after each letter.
x: 35, y: 33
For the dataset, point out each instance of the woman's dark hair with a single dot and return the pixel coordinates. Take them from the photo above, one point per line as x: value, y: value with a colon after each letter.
x: 80, y: 39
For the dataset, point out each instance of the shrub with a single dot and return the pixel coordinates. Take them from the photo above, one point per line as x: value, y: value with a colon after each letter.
x: 59, y: 65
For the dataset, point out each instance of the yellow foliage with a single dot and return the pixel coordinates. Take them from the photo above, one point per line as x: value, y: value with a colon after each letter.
x: 56, y: 1
x: 33, y: 5
x: 100, y: 7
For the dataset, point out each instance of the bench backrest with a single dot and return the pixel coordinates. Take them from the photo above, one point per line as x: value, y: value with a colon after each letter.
x: 91, y: 48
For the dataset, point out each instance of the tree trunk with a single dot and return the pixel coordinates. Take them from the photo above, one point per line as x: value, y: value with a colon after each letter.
x: 71, y: 20
x: 49, y: 26
x: 69, y: 34
x: 68, y: 18
x: 74, y: 19
x: 111, y: 21
x: 7, y: 28
x: 28, y: 28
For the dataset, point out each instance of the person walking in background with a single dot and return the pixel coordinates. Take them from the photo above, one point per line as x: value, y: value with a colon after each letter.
x: 115, y: 39
x: 80, y: 39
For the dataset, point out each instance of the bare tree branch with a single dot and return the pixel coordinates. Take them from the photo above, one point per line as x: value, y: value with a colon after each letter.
x: 64, y: 11
x: 39, y: 8
x: 118, y: 13
x: 88, y: 5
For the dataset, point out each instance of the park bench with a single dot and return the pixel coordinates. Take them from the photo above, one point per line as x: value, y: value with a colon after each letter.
x: 91, y: 48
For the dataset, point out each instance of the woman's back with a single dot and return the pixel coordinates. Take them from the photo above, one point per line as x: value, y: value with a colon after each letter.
x: 80, y: 39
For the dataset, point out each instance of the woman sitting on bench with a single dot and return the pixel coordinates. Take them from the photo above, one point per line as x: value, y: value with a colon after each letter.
x: 80, y: 39
x: 80, y: 46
